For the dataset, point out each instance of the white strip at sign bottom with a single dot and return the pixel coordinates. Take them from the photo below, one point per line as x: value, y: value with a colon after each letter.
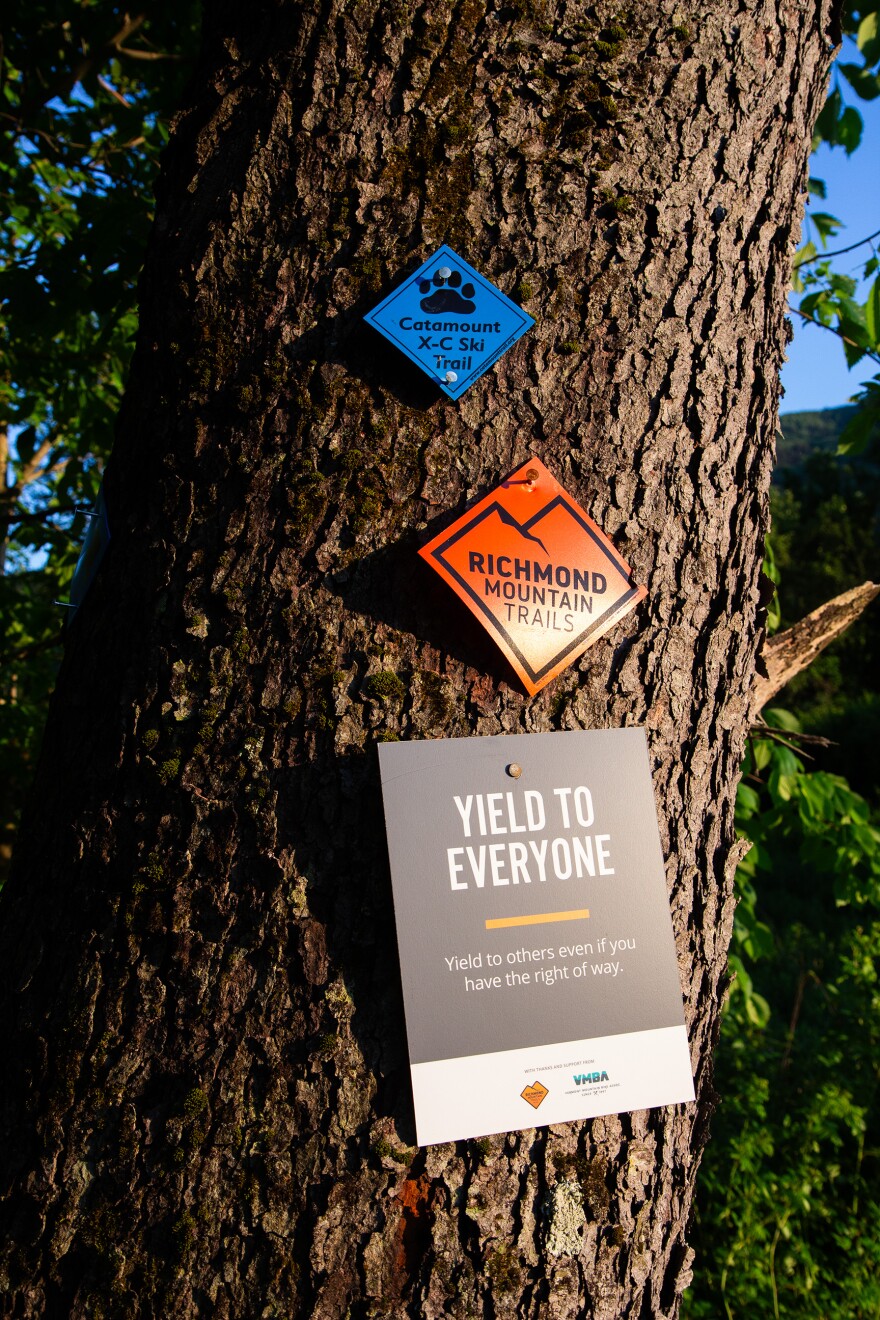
x: 456, y: 1099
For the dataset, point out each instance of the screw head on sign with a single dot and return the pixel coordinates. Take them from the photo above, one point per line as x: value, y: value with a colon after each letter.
x: 532, y: 476
x: 444, y: 272
x: 514, y: 770
x: 451, y: 377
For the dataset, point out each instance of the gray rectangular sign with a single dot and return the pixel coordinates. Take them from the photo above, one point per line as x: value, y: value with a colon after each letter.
x: 538, y: 966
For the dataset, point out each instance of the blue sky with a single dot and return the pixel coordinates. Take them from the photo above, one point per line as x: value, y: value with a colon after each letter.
x: 816, y: 374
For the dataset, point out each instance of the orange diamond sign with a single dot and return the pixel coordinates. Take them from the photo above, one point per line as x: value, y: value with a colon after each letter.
x: 534, y: 1094
x: 538, y: 573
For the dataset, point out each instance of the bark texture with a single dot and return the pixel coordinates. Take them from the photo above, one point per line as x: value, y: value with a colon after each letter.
x: 207, y: 1109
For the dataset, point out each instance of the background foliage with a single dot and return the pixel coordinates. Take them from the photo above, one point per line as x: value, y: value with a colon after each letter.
x: 788, y: 1206
x: 831, y: 298
x: 826, y: 537
x: 788, y: 1203
x: 87, y: 93
x: 788, y: 1220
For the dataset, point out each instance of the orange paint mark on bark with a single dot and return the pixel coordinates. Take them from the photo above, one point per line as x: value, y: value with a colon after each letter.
x: 414, y: 1230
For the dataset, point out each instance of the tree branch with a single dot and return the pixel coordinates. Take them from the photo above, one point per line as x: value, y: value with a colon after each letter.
x: 791, y: 738
x: 840, y: 335
x: 838, y: 252
x: 89, y: 63
x: 147, y: 54
x: 41, y: 515
x: 117, y: 96
x: 791, y: 652
x: 31, y: 469
x: 32, y: 648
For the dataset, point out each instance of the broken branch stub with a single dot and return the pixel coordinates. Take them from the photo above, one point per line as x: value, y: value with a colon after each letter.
x: 790, y: 652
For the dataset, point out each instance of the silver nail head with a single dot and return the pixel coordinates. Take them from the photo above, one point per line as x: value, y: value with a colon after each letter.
x: 451, y: 377
x: 444, y: 272
x: 514, y: 770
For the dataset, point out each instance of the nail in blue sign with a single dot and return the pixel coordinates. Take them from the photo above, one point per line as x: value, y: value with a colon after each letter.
x: 450, y: 321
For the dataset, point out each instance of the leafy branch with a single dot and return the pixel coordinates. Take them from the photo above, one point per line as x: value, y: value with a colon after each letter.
x: 839, y: 252
x: 830, y: 298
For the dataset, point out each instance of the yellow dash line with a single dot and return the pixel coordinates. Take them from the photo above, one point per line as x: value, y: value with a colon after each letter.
x: 538, y: 919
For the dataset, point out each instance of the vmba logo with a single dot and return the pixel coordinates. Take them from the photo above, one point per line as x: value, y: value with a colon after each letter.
x: 582, y: 1079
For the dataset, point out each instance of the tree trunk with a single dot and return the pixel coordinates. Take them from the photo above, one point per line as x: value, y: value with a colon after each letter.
x: 207, y: 1111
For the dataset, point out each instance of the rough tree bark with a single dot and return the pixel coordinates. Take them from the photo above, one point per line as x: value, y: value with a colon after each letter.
x: 207, y: 1108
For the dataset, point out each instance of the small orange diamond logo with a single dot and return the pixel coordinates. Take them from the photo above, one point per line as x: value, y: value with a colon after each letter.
x: 539, y: 574
x: 534, y: 1094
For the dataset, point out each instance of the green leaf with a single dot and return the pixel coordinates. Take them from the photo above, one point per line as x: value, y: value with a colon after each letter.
x: 757, y: 1009
x: 770, y: 566
x: 759, y: 941
x: 864, y: 83
x: 849, y: 129
x: 803, y: 257
x: 853, y: 352
x: 785, y: 785
x: 872, y: 313
x: 868, y: 37
x: 747, y: 801
x: 780, y: 718
x: 844, y: 286
x: 853, y: 321
x: 859, y: 431
x: 826, y: 124
x: 817, y: 305
x: 826, y: 225
x: 816, y: 188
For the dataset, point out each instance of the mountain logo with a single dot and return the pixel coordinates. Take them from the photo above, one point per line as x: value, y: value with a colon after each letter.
x: 538, y: 573
x: 535, y: 1094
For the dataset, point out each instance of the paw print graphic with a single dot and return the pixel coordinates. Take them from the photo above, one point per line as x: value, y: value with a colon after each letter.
x: 446, y: 293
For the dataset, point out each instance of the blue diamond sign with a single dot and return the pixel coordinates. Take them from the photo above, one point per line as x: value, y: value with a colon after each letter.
x: 450, y: 321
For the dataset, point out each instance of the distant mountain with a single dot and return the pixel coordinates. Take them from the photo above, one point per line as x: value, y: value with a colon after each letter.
x: 803, y: 433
